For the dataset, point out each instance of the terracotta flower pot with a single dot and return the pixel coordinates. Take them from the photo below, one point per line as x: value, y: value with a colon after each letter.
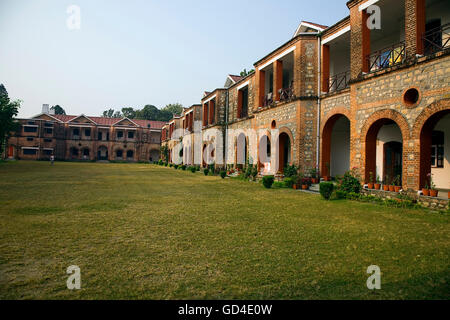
x: 385, y: 187
x: 305, y: 187
x: 397, y: 189
x: 370, y: 185
x: 326, y: 178
x: 426, y: 192
x: 434, y: 193
x: 391, y: 188
x: 294, y: 186
x: 315, y: 180
x: 449, y: 194
x: 377, y: 186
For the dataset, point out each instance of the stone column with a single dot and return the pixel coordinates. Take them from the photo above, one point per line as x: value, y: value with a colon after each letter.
x: 414, y: 27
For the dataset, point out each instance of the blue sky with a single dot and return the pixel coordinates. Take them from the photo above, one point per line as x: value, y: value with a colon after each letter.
x: 137, y: 52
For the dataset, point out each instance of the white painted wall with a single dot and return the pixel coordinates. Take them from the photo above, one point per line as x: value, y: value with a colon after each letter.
x: 339, y: 60
x: 340, y: 147
x: 387, y: 133
x: 441, y: 176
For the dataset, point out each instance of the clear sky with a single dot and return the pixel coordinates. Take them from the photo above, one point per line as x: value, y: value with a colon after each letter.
x: 137, y: 52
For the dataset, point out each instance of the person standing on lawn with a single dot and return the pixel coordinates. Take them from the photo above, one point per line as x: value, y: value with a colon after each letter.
x: 52, y: 159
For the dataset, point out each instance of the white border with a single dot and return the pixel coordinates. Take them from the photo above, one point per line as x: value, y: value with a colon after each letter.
x: 367, y: 4
x: 209, y: 99
x: 245, y: 84
x: 336, y: 35
x: 278, y: 57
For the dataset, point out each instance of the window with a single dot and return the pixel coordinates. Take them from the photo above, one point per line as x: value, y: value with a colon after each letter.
x: 87, y: 132
x: 119, y: 153
x: 437, y: 149
x: 100, y: 136
x: 86, y: 152
x: 48, y: 125
x: 119, y: 134
x: 29, y: 152
x: 130, y: 154
x: 48, y: 140
x: 30, y: 139
x: 48, y: 130
x: 76, y: 132
x: 31, y: 123
x: 130, y: 135
x: 48, y: 152
x: 29, y: 129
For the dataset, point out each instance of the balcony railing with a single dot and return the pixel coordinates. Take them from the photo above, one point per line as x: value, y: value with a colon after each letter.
x: 387, y: 57
x: 437, y: 39
x: 287, y: 94
x: 339, y: 81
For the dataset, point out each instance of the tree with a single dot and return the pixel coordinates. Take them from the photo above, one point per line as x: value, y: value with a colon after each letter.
x: 129, y: 113
x: 174, y: 108
x: 8, y: 110
x: 111, y: 113
x: 149, y: 112
x: 58, y: 109
x: 245, y: 73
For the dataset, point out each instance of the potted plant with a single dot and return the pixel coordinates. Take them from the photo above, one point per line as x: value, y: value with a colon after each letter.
x: 306, y: 182
x: 370, y: 183
x: 386, y: 183
x: 426, y: 190
x: 314, y: 175
x: 433, y: 192
x: 397, y: 184
x: 327, y: 177
x: 297, y: 181
x: 378, y: 183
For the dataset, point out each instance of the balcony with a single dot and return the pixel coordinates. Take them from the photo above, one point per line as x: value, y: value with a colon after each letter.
x: 339, y: 81
x: 387, y: 57
x: 437, y: 39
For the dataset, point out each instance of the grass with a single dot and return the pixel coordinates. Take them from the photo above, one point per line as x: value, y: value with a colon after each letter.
x: 140, y: 231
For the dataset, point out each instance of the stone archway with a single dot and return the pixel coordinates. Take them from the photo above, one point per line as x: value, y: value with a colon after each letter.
x: 370, y: 154
x: 335, y: 158
x: 423, y: 130
x: 285, y: 153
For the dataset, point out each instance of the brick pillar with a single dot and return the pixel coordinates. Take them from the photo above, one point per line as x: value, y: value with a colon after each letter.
x: 240, y: 102
x: 414, y: 27
x: 261, y: 87
x: 325, y: 68
x: 277, y: 79
x: 212, y: 106
x: 205, y: 114
x: 360, y: 41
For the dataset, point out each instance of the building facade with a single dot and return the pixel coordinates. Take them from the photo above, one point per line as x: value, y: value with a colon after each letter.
x: 371, y: 92
x: 84, y: 138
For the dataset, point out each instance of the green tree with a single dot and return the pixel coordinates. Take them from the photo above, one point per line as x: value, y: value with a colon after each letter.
x: 129, y: 113
x: 111, y: 113
x: 58, y: 109
x: 174, y: 108
x: 149, y: 112
x: 8, y: 110
x: 245, y: 73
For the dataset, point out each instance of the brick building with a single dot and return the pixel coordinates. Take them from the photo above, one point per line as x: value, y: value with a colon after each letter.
x: 345, y: 96
x: 85, y: 138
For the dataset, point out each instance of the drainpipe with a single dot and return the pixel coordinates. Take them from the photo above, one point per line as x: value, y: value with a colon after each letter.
x: 225, y: 140
x: 319, y: 60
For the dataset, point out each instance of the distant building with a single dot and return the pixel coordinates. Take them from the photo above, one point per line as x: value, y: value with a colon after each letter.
x: 85, y: 138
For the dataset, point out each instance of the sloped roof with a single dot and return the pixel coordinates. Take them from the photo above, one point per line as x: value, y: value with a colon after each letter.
x: 111, y: 121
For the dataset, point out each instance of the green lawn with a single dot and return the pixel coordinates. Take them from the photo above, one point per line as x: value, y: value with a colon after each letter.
x: 140, y: 231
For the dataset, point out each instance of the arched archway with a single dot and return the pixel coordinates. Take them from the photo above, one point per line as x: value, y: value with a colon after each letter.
x: 154, y: 155
x: 85, y: 153
x: 284, y: 149
x: 102, y: 153
x: 336, y: 146
x: 74, y: 153
x: 384, y: 152
x: 241, y: 150
x: 130, y: 155
x: 264, y: 153
x: 434, y: 150
x: 119, y: 154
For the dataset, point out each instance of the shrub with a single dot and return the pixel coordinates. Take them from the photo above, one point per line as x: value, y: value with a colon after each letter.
x: 340, y: 194
x: 197, y: 168
x: 278, y: 185
x: 183, y: 167
x: 171, y: 165
x: 193, y: 169
x: 206, y: 171
x: 254, y: 172
x: 223, y: 174
x: 326, y: 189
x: 290, y: 171
x: 268, y: 181
x: 289, y: 182
x: 176, y: 167
x: 166, y: 164
x: 160, y: 162
x: 349, y: 183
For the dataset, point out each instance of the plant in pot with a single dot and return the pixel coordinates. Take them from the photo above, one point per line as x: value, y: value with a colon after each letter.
x: 306, y: 182
x: 295, y: 183
x: 370, y: 182
x: 426, y: 190
x: 433, y: 192
x: 397, y: 183
x: 327, y: 177
x: 386, y: 183
x: 378, y: 183
x: 314, y: 174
